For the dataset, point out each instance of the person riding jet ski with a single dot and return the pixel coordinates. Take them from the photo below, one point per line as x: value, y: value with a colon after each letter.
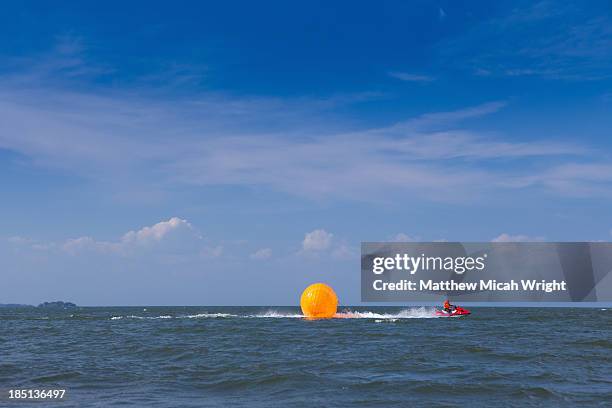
x: 448, y: 308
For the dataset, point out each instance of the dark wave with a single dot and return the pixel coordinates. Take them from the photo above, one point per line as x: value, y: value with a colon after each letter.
x: 206, y: 356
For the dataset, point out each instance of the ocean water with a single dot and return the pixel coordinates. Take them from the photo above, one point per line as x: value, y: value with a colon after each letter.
x: 271, y: 357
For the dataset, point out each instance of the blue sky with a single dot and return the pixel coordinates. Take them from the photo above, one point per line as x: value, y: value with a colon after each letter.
x: 234, y: 152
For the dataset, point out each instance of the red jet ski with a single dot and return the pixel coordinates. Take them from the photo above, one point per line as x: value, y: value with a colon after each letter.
x: 457, y: 311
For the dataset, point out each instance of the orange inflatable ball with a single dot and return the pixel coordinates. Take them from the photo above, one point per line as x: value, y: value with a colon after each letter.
x: 319, y: 301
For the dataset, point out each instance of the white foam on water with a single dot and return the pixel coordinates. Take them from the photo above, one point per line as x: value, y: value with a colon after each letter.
x: 385, y: 320
x: 142, y: 317
x: 208, y: 315
x: 412, y: 313
x: 277, y: 315
x: 194, y: 316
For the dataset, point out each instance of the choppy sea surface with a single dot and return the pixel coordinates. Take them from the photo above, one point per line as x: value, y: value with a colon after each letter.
x: 272, y: 357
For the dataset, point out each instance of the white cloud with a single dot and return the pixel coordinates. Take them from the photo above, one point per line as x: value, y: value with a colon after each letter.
x: 577, y: 179
x: 216, y: 139
x: 322, y: 243
x: 516, y: 238
x: 161, y: 230
x: 261, y: 254
x: 405, y: 76
x: 175, y: 235
x: 75, y: 245
x: 401, y: 237
x: 317, y: 240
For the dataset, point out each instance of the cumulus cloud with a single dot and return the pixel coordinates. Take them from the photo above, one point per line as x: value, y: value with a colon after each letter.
x: 261, y: 254
x: 317, y: 240
x: 174, y: 227
x: 322, y: 243
x: 175, y: 234
x: 516, y: 238
x: 401, y: 237
x: 75, y: 245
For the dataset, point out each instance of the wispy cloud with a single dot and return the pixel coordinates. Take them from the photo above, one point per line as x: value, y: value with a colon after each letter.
x: 271, y: 143
x: 545, y: 39
x: 441, y: 13
x: 408, y: 77
x: 573, y: 179
x: 209, y: 142
x: 67, y: 59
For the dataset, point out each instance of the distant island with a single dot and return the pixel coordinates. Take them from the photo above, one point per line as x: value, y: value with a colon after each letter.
x: 45, y: 305
x: 57, y: 305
